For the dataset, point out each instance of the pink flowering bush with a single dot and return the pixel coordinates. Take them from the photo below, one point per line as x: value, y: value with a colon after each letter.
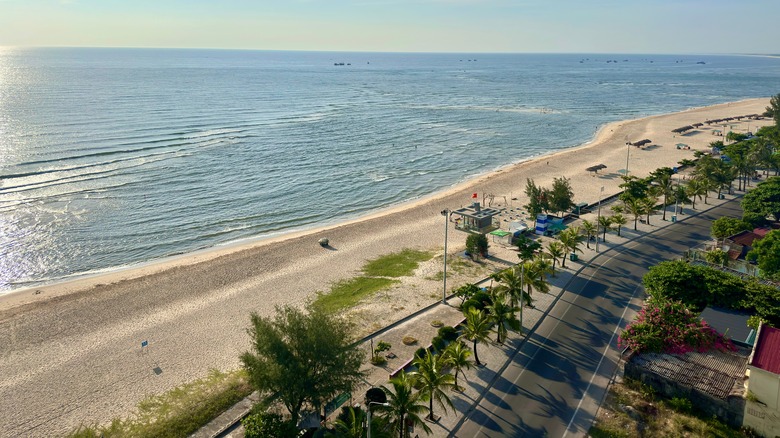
x: 665, y: 326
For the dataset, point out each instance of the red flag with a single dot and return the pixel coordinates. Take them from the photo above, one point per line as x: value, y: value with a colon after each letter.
x: 474, y: 196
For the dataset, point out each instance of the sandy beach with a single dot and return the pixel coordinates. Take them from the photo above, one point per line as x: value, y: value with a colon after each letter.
x: 72, y: 351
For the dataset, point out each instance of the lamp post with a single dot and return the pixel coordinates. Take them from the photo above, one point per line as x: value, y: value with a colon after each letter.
x: 446, y: 214
x: 628, y: 153
x: 368, y: 415
x: 598, y: 219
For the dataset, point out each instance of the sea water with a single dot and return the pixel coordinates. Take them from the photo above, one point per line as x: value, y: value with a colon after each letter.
x: 113, y: 157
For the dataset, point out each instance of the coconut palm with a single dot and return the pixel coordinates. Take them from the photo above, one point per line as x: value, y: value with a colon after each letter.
x: 476, y: 329
x: 571, y: 240
x: 502, y: 314
x: 534, y: 278
x: 403, y: 405
x: 351, y: 424
x: 456, y: 356
x: 634, y: 206
x: 510, y: 283
x: 605, y: 224
x: 433, y: 381
x: 618, y: 220
x: 555, y: 250
x: 664, y: 184
x: 649, y: 207
x: 589, y: 230
x: 696, y: 188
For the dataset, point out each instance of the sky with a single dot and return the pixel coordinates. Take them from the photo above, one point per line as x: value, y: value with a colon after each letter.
x: 468, y: 26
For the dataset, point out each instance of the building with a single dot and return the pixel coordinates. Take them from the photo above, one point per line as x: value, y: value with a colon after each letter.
x: 475, y: 218
x: 762, y: 409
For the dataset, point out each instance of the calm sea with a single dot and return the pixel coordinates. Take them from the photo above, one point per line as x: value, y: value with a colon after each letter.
x: 112, y: 157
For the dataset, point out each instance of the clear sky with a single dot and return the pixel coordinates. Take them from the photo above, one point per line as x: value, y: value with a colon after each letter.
x: 587, y: 26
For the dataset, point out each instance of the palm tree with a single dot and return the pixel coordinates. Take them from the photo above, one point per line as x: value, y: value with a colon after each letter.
x: 555, y: 250
x: 351, y: 421
x: 634, y: 206
x: 589, y: 229
x: 696, y: 188
x: 664, y: 184
x: 571, y: 240
x: 403, y: 404
x: 649, y: 207
x: 618, y: 220
x: 503, y: 316
x: 605, y: 224
x: 456, y: 355
x: 534, y: 278
x: 432, y: 381
x: 476, y: 329
x: 510, y: 283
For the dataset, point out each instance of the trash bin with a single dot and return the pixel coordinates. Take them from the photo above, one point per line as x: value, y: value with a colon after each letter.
x: 674, y: 218
x: 721, y: 196
x: 573, y: 257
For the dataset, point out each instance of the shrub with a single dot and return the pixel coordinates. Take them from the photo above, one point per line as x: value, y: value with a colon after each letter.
x: 438, y: 343
x: 409, y: 340
x: 420, y: 352
x: 681, y: 405
x: 665, y: 326
x: 436, y: 323
x: 266, y: 424
x: 448, y: 333
x: 479, y: 301
x: 477, y: 244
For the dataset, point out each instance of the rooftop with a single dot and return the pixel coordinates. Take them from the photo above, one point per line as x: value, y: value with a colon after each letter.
x: 767, y: 353
x: 728, y: 322
x: 745, y: 238
x: 716, y: 373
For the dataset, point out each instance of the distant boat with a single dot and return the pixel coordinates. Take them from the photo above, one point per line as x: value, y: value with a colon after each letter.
x: 701, y: 62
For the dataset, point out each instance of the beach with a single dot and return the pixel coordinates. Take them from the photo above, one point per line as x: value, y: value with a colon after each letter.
x: 72, y: 351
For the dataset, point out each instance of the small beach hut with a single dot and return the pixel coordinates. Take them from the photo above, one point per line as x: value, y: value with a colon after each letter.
x: 541, y: 224
x: 476, y: 218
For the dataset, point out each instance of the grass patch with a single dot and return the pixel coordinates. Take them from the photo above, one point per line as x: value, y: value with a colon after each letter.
x: 655, y: 417
x: 347, y: 293
x: 178, y: 412
x: 400, y: 264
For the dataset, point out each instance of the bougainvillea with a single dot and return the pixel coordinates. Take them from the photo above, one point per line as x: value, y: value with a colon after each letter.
x: 665, y: 326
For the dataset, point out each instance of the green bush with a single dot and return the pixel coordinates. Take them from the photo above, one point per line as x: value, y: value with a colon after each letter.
x: 264, y: 425
x: 477, y: 244
x: 448, y: 333
x: 420, y: 352
x: 438, y: 343
x: 681, y: 405
x: 478, y: 301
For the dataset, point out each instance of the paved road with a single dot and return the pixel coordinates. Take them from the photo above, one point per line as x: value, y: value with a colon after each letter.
x: 558, y: 377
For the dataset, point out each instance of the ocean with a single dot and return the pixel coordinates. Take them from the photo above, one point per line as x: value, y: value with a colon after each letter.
x: 114, y: 157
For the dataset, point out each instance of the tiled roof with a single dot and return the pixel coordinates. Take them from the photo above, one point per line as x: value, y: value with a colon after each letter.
x: 767, y: 354
x: 716, y: 373
x: 745, y: 238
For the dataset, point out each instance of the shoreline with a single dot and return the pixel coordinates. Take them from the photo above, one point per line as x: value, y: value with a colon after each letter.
x: 86, y: 335
x: 111, y: 275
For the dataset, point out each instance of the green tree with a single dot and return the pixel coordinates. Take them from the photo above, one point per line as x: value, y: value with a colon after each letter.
x: 404, y: 405
x: 476, y: 329
x: 534, y: 278
x: 561, y: 195
x: 526, y: 248
x: 571, y: 240
x: 634, y: 207
x: 351, y: 423
x: 717, y: 257
x: 502, y: 314
x: 728, y: 226
x: 633, y: 188
x: 510, y: 283
x: 767, y: 253
x: 764, y: 199
x: 663, y: 180
x: 433, y: 381
x: 301, y: 358
x: 774, y: 109
x: 466, y: 291
x: 555, y: 250
x: 649, y: 207
x: 696, y: 188
x: 537, y: 199
x: 618, y: 221
x: 589, y: 230
x: 605, y: 224
x: 477, y: 244
x: 456, y: 356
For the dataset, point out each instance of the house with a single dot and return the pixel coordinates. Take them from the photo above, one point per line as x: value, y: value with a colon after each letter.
x: 730, y: 323
x: 762, y: 409
x: 475, y: 218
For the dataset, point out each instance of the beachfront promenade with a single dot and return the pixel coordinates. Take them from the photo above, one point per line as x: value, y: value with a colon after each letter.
x: 72, y: 352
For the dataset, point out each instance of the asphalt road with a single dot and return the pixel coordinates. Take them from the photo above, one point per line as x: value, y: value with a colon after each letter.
x: 559, y: 376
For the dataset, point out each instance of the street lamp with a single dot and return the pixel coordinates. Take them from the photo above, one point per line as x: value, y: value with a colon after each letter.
x: 446, y: 214
x: 628, y: 153
x: 598, y: 219
x: 374, y: 396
